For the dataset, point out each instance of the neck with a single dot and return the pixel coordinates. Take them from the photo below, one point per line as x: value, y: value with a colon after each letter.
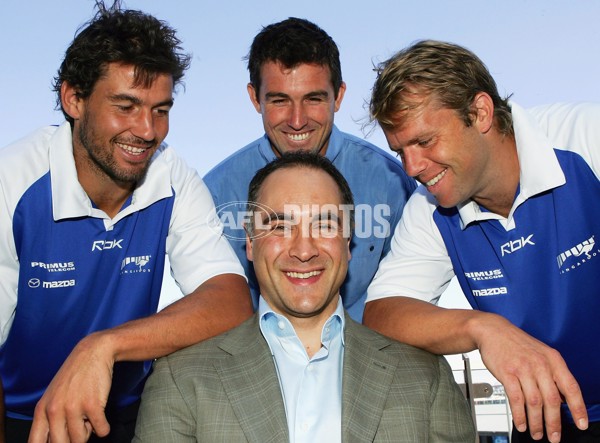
x: 107, y: 194
x: 503, y: 179
x: 309, y: 332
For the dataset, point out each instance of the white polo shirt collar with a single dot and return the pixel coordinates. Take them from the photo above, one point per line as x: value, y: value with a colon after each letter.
x: 540, y: 170
x: 69, y: 199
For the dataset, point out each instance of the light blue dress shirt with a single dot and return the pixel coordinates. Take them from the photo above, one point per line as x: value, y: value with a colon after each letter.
x: 377, y: 180
x: 311, y: 387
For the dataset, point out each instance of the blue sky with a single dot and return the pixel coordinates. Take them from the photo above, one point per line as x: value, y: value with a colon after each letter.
x: 541, y: 51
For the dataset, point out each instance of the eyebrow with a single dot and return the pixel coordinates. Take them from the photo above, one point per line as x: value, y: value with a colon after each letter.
x: 326, y: 216
x: 278, y: 216
x: 319, y: 93
x: 269, y: 95
x: 137, y: 101
x: 275, y: 216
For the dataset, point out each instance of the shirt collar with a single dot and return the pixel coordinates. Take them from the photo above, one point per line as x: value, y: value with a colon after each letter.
x: 539, y: 168
x: 69, y: 200
x: 334, y: 146
x: 270, y: 322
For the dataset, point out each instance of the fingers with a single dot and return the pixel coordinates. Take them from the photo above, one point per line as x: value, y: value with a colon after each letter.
x: 535, y: 378
x: 97, y: 421
x: 572, y: 393
x: 512, y: 389
x: 79, y: 430
x: 66, y: 424
x: 542, y: 401
x: 535, y: 389
x: 40, y: 427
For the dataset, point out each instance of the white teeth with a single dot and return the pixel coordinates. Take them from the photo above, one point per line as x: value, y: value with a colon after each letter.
x: 436, y: 179
x: 298, y: 137
x: 130, y: 149
x: 302, y: 274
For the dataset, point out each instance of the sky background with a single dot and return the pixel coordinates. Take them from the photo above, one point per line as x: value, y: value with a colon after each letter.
x: 541, y: 51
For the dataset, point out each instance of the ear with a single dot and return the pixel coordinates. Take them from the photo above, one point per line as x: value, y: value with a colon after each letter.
x: 340, y: 96
x: 71, y: 102
x: 252, y: 93
x: 248, y: 246
x: 483, y: 106
x: 348, y: 246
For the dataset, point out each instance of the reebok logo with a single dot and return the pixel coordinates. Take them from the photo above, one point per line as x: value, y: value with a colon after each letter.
x: 515, y: 245
x: 100, y: 245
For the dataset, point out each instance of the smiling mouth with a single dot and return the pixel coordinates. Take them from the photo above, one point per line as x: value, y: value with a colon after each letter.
x: 131, y: 149
x: 436, y: 179
x: 303, y: 274
x: 298, y: 137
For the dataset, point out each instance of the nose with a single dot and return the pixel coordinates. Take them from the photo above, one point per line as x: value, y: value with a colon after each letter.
x: 303, y: 245
x: 298, y: 117
x: 144, y: 126
x: 413, y: 161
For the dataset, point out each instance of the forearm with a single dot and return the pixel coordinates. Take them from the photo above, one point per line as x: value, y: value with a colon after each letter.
x: 216, y: 306
x: 426, y: 326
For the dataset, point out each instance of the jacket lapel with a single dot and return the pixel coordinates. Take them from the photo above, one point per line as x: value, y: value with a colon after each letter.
x: 363, y: 399
x: 250, y: 381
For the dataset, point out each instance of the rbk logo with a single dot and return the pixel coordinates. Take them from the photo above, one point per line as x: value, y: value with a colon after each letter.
x: 100, y: 245
x: 515, y: 245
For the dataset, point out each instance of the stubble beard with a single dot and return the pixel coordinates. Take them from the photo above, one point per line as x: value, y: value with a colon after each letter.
x: 102, y: 159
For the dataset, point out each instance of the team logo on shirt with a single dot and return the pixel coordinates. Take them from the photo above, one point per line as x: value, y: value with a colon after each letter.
x: 582, y: 251
x: 135, y: 265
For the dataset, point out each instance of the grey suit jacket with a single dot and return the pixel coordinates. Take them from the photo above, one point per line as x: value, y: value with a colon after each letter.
x: 226, y: 390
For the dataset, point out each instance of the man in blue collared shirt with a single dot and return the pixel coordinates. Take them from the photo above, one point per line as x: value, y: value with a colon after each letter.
x: 296, y: 85
x: 301, y: 370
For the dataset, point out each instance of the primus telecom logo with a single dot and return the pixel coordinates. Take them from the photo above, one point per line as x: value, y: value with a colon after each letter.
x: 236, y: 217
x: 54, y: 267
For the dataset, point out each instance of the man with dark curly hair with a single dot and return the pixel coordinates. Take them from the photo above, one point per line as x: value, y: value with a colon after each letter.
x: 89, y: 209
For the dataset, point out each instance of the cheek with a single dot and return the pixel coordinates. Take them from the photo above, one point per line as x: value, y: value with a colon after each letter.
x: 162, y: 128
x: 266, y: 251
x: 337, y: 249
x: 323, y: 115
x: 273, y: 117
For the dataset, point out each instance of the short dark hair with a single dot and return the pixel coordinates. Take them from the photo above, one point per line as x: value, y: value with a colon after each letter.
x: 446, y: 72
x: 293, y: 42
x: 116, y: 35
x: 301, y: 159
